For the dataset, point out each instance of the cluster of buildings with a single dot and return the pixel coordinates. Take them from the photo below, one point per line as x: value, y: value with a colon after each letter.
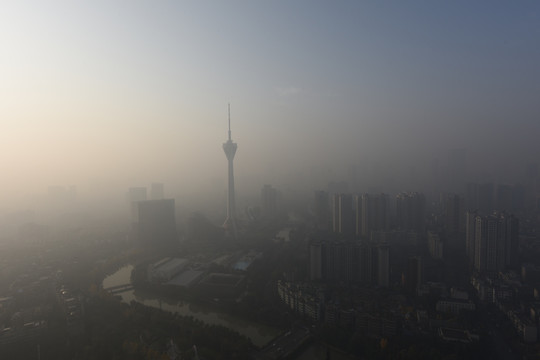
x: 365, y: 230
x: 371, y: 240
x: 25, y: 309
x: 516, y: 297
x: 357, y: 216
x: 454, y: 306
x: 443, y: 313
x: 312, y: 303
x: 492, y: 241
x: 350, y: 262
x: 304, y: 299
x: 153, y: 220
x: 22, y: 333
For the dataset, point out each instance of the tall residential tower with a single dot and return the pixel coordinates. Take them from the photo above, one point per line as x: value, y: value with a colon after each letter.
x: 229, y: 148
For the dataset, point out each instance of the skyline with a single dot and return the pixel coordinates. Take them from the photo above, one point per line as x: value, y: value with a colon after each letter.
x: 133, y: 93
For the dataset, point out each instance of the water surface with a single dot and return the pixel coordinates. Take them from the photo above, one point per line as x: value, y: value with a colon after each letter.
x: 259, y: 334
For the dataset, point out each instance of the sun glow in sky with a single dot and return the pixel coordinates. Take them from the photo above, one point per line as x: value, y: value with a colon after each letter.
x: 131, y: 92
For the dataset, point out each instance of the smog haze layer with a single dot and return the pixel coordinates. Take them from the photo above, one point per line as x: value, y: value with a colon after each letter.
x: 107, y: 95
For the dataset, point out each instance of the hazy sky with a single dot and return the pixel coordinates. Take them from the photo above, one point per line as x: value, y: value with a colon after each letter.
x: 130, y: 92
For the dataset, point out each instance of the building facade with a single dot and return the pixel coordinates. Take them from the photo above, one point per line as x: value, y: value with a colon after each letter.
x: 492, y: 241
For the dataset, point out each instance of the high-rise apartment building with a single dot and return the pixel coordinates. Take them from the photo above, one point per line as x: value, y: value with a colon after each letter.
x: 435, y: 245
x: 454, y: 214
x: 383, y: 265
x: 342, y: 214
x: 492, y: 241
x: 372, y: 214
x: 411, y: 212
x: 470, y: 235
x: 134, y: 195
x: 348, y: 262
x: 413, y: 276
x: 315, y: 262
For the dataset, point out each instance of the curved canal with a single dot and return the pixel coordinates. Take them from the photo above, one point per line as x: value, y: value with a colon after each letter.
x: 259, y: 334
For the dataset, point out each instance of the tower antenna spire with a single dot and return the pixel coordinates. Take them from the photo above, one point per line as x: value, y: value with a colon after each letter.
x: 229, y: 121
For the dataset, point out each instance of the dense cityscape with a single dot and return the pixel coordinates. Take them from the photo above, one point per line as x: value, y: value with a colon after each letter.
x: 191, y: 180
x: 340, y: 274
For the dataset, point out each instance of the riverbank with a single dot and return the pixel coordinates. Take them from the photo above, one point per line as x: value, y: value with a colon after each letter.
x: 259, y: 334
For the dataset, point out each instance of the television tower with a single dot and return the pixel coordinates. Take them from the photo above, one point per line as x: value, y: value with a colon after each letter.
x: 229, y: 147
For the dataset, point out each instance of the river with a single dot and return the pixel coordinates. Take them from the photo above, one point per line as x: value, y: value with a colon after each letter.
x: 259, y: 334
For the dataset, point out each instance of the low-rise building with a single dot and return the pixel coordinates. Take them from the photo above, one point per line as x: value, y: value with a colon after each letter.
x: 454, y: 306
x: 302, y: 299
x: 457, y: 335
x: 524, y: 325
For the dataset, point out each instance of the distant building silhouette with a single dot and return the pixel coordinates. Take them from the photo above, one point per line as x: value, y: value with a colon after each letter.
x: 134, y: 195
x: 342, y: 214
x: 413, y: 275
x: 372, y: 214
x: 435, y: 245
x: 157, y: 192
x: 470, y: 235
x: 492, y: 241
x: 383, y: 265
x: 201, y: 230
x: 156, y: 224
x: 454, y: 214
x: 411, y: 212
x: 269, y: 202
x: 315, y: 261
